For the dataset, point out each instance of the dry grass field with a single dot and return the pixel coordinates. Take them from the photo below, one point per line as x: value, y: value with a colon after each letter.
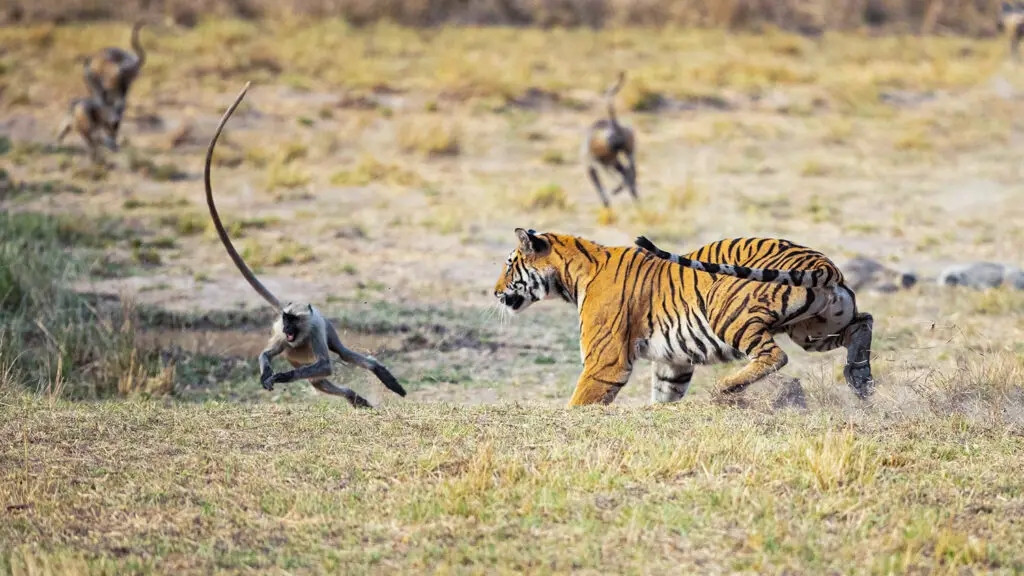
x: 379, y: 172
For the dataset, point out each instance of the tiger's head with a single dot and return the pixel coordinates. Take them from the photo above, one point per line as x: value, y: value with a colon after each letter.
x: 529, y: 276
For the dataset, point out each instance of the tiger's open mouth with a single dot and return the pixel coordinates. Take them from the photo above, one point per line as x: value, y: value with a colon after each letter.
x: 513, y: 301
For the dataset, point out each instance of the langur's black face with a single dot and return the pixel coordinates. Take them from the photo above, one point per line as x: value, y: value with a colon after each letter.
x: 292, y: 327
x: 295, y: 322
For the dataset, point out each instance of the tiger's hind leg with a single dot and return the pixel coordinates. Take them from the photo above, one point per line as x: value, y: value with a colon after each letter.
x: 669, y: 382
x: 327, y: 387
x: 857, y: 339
x: 855, y: 336
x: 841, y: 325
x: 766, y: 357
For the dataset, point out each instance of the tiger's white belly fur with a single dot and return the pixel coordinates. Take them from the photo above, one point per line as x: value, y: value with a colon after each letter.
x: 696, y: 343
x: 688, y: 344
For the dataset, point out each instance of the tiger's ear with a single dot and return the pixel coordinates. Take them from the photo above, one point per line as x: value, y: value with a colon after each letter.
x: 530, y: 243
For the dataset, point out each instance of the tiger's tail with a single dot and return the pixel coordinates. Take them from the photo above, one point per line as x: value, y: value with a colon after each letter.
x: 819, y: 278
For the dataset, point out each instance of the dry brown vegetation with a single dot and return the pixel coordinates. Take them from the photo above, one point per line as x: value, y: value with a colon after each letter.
x: 379, y: 172
x: 808, y: 16
x: 147, y: 488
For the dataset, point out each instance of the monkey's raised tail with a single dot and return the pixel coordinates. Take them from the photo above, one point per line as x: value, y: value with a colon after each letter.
x: 609, y: 97
x: 136, y: 45
x: 235, y: 257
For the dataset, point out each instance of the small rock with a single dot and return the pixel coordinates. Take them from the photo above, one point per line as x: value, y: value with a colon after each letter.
x: 791, y: 395
x: 981, y: 275
x: 868, y: 273
x: 350, y: 232
x: 1015, y: 279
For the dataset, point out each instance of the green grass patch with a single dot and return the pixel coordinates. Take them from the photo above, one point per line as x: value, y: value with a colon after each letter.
x: 52, y: 339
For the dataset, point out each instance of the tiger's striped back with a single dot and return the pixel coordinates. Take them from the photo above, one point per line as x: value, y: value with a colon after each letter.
x: 758, y: 259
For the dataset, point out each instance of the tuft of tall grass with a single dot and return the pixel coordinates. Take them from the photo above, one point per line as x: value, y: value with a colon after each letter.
x: 430, y: 137
x: 53, y: 340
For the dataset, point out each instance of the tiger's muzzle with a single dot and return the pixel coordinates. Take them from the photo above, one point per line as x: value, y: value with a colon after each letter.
x: 513, y: 301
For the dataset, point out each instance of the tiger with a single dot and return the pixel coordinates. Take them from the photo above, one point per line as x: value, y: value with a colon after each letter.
x: 639, y: 302
x: 109, y: 75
